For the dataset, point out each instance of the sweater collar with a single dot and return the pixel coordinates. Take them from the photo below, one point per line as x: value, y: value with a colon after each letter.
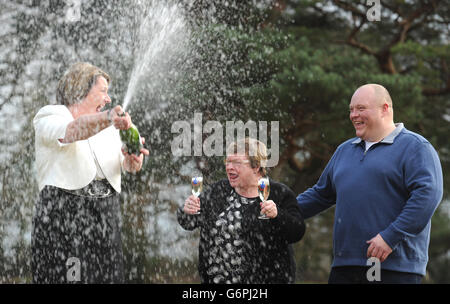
x: 388, y: 139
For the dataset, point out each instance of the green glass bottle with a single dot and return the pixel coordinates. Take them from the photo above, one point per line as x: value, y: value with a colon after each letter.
x: 132, y: 140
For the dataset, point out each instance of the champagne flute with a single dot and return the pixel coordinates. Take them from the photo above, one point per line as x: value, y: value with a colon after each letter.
x: 263, y: 191
x: 197, y: 187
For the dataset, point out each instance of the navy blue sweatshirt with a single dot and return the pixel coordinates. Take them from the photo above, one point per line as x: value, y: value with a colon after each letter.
x: 392, y: 189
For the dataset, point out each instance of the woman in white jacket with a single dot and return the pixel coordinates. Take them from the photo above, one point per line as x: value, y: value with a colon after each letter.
x: 76, y: 234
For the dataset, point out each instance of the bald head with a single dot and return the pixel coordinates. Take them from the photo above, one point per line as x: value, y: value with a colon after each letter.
x: 379, y: 93
x: 371, y: 112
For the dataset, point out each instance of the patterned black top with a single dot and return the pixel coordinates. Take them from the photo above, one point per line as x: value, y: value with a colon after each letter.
x: 237, y: 247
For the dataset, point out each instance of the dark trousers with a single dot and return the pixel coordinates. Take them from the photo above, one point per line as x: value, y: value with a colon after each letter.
x: 76, y: 239
x: 358, y: 275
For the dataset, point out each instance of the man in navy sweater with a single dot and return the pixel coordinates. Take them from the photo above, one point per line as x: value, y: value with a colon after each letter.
x: 386, y: 184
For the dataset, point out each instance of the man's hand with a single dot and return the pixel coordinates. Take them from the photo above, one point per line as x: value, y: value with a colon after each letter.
x: 378, y: 248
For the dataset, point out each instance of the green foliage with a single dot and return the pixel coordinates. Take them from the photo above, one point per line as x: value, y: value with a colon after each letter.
x: 291, y: 64
x: 313, y: 78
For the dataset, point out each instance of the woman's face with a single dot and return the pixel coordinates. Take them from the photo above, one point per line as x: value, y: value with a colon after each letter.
x: 239, y: 172
x: 97, y: 97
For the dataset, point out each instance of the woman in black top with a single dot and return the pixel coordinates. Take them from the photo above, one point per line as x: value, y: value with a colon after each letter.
x: 235, y: 246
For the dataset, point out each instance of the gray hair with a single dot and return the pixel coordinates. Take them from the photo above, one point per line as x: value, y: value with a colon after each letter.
x: 254, y: 149
x: 76, y: 83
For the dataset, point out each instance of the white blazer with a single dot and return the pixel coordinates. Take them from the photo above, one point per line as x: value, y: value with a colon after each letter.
x: 73, y: 166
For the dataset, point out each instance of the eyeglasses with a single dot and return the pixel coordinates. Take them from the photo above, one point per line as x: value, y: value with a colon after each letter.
x: 235, y: 163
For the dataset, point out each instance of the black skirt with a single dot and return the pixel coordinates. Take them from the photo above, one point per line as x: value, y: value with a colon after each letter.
x: 76, y: 239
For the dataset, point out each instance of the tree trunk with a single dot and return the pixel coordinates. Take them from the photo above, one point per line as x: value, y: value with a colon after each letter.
x: 385, y: 62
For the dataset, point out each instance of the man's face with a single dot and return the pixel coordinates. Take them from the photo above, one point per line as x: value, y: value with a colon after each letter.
x: 97, y: 97
x: 366, y: 114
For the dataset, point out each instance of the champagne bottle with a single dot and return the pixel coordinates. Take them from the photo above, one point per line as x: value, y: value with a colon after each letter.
x: 131, y: 139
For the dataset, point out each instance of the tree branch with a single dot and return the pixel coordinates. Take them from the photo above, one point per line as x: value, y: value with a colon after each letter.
x: 406, y: 23
x: 392, y: 8
x: 439, y: 91
x: 360, y: 46
x: 352, y: 41
x: 348, y: 7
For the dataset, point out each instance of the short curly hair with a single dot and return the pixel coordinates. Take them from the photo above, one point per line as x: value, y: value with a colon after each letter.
x: 254, y: 149
x: 76, y: 83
